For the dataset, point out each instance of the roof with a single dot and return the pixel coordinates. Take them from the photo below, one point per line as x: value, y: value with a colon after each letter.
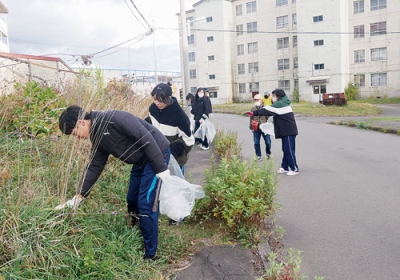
x: 3, y: 9
x: 33, y: 57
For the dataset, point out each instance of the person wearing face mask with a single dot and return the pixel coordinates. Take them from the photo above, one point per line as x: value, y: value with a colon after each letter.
x: 200, y: 110
x: 285, y: 128
x: 267, y: 99
x: 255, y: 122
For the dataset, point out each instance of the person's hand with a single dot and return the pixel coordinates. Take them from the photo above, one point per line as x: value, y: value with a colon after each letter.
x: 72, y: 203
x: 249, y: 113
x: 163, y: 175
x: 201, y: 121
x: 210, y: 115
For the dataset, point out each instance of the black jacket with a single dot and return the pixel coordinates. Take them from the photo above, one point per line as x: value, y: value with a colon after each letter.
x: 284, y: 121
x: 127, y: 138
x: 173, y: 122
x: 199, y: 107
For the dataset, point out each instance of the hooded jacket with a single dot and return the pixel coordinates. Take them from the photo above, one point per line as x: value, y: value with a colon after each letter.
x: 284, y: 122
x: 173, y: 122
x: 126, y: 137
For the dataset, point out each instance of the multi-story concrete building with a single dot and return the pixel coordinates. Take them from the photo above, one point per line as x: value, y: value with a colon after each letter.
x: 243, y: 46
x: 4, y: 45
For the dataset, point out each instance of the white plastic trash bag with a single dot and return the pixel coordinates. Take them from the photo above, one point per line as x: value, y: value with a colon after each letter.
x: 268, y: 127
x: 206, y: 129
x: 177, y: 197
x: 174, y: 167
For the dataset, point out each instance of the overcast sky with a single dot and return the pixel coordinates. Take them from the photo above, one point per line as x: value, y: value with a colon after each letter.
x: 71, y: 28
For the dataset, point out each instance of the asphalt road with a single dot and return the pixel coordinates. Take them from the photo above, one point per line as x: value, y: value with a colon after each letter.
x: 343, y: 209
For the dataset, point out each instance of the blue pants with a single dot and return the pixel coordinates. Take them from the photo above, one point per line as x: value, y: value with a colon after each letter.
x: 257, y: 137
x: 198, y: 140
x: 140, y: 198
x: 289, y: 153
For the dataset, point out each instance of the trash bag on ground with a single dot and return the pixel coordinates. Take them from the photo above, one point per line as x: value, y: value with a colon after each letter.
x: 177, y: 197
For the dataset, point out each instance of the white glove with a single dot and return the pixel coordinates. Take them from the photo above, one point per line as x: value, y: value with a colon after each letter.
x: 163, y: 175
x: 210, y: 115
x: 72, y: 203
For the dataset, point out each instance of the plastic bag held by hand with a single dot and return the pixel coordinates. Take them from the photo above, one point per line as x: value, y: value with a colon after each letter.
x: 72, y: 203
x: 254, y: 124
x: 249, y: 113
x: 177, y: 197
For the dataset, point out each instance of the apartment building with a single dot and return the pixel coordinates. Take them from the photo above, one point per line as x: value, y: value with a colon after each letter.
x: 4, y: 44
x: 241, y: 47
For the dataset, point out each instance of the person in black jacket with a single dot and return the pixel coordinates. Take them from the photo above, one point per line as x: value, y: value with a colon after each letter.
x: 200, y: 110
x: 285, y: 127
x: 167, y: 115
x: 132, y: 140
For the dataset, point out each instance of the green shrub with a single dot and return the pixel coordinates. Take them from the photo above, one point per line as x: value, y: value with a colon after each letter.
x: 296, y: 95
x: 225, y: 145
x: 351, y: 92
x: 32, y: 111
x: 239, y: 194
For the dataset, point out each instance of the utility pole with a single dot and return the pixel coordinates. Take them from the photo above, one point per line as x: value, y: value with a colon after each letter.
x: 155, y: 55
x: 185, y: 58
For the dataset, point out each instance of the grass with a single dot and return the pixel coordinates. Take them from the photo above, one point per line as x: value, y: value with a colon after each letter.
x: 309, y: 109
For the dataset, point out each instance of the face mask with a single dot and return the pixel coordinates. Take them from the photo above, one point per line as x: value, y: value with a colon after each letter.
x: 201, y: 95
x: 257, y: 103
x: 274, y: 99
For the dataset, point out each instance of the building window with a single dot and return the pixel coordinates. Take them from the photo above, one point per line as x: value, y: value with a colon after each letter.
x: 295, y: 62
x: 283, y: 64
x: 192, y: 56
x: 209, y: 19
x: 294, y: 19
x: 254, y: 87
x: 359, y: 31
x: 378, y: 28
x: 239, y: 30
x: 193, y: 90
x: 211, y: 77
x: 210, y: 57
x: 283, y: 43
x: 296, y: 84
x: 213, y: 94
x: 359, y: 80
x: 239, y: 10
x: 319, y: 89
x: 294, y: 41
x: 378, y: 79
x: 378, y: 4
x: 252, y: 27
x: 191, y: 39
x: 192, y: 74
x: 252, y: 47
x: 378, y: 54
x: 319, y: 66
x: 253, y: 67
x: 282, y: 22
x: 210, y: 38
x: 318, y: 18
x: 242, y: 88
x: 251, y: 7
x: 240, y: 49
x: 359, y: 56
x: 281, y: 2
x: 241, y: 69
x: 358, y: 6
x: 318, y: 43
x: 191, y: 20
x: 284, y: 84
